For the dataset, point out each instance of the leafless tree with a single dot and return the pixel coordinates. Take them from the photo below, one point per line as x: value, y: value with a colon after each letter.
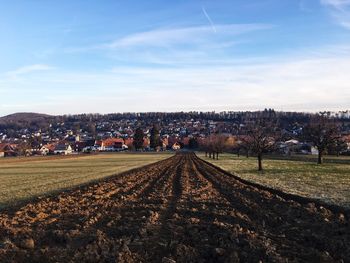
x: 219, y: 143
x: 261, y: 138
x: 215, y: 144
x: 204, y: 146
x: 323, y: 132
x: 338, y: 147
x: 241, y: 145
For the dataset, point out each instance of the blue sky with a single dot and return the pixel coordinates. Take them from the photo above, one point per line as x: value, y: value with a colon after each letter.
x: 62, y: 57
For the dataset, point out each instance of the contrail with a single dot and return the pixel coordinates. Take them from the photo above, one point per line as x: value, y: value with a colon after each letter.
x: 209, y: 19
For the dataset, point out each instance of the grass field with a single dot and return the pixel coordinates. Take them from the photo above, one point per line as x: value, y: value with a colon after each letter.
x: 24, y: 178
x: 329, y: 182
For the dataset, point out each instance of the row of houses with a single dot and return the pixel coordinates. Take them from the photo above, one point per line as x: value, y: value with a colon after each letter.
x: 66, y: 147
x: 295, y: 146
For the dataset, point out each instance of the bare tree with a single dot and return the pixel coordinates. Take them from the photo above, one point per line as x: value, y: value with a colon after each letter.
x: 261, y: 138
x: 339, y: 146
x: 243, y: 146
x: 218, y: 144
x: 210, y: 144
x: 204, y: 146
x: 323, y: 133
x: 214, y: 145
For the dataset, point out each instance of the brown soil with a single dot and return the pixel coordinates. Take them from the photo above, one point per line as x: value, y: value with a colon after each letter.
x: 177, y: 210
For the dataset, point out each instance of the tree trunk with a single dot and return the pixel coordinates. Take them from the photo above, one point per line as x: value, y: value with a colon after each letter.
x: 260, y: 162
x: 320, y: 157
x: 217, y: 156
x: 213, y: 155
x: 206, y: 154
x: 238, y: 153
x: 247, y: 154
x: 209, y: 154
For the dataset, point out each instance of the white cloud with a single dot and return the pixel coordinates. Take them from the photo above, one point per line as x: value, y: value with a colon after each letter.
x: 340, y: 10
x: 295, y: 83
x: 339, y: 4
x: 29, y: 69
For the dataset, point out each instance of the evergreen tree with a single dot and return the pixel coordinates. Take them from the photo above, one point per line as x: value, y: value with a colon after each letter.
x: 193, y: 143
x: 155, y: 137
x: 138, y: 139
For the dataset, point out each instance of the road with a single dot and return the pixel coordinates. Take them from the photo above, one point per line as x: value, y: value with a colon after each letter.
x: 177, y: 210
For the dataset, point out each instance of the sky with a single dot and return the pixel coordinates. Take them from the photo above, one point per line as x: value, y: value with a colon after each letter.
x: 85, y: 56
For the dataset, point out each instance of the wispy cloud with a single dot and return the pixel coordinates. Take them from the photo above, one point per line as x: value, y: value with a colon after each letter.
x: 169, y: 37
x: 339, y: 4
x: 29, y: 69
x: 340, y: 10
x: 209, y: 19
x: 292, y: 83
x: 166, y: 37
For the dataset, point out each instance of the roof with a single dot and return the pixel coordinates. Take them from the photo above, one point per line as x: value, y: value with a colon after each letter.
x: 61, y: 147
x: 112, y: 142
x: 50, y: 146
x: 7, y: 147
x: 292, y: 142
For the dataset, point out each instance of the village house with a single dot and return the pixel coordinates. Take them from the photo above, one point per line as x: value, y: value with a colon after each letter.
x: 176, y: 146
x: 98, y: 145
x: 307, y: 148
x: 146, y: 143
x: 346, y: 139
x: 129, y: 142
x: 48, y: 149
x: 63, y: 149
x: 164, y: 142
x: 172, y: 140
x: 290, y: 146
x: 113, y: 144
x: 79, y: 146
x: 7, y: 150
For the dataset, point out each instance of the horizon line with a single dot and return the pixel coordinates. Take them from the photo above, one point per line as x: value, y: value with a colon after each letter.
x: 190, y: 111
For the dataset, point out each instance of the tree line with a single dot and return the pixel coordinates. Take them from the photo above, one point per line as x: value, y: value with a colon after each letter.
x: 262, y: 137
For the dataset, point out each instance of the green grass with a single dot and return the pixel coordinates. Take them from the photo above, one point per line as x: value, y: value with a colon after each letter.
x: 329, y: 182
x: 25, y: 178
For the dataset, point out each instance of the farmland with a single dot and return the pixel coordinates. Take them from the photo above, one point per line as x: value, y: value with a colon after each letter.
x: 25, y: 178
x: 177, y: 210
x: 299, y: 175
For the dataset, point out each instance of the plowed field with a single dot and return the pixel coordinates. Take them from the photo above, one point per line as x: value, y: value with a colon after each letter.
x: 177, y: 210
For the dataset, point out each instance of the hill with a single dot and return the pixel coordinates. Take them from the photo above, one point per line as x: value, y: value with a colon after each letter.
x: 24, y: 120
x: 24, y: 117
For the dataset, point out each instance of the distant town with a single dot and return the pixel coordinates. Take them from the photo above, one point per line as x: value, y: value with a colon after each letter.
x: 29, y: 134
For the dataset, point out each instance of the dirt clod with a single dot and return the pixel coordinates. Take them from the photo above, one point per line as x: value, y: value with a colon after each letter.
x: 28, y: 243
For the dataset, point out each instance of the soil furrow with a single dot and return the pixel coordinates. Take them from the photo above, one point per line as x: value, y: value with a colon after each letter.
x: 292, y: 227
x: 177, y: 210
